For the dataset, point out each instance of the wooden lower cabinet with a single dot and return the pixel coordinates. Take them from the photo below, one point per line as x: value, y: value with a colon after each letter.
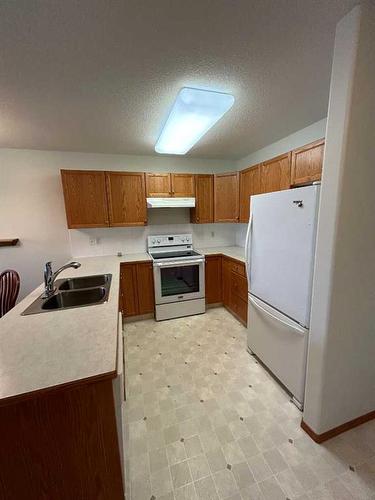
x: 213, y: 279
x: 61, y: 444
x: 128, y: 290
x: 226, y: 283
x: 235, y: 288
x: 145, y: 288
x: 137, y: 288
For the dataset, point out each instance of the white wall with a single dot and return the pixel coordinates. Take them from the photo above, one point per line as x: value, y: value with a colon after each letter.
x: 133, y: 240
x: 341, y: 363
x: 32, y: 207
x: 308, y: 134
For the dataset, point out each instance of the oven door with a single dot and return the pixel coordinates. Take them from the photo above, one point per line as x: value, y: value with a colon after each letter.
x: 179, y: 281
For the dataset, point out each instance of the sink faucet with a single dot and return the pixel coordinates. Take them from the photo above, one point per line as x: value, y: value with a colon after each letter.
x: 49, y: 276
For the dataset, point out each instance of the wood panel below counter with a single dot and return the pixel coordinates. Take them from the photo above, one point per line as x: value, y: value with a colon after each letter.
x: 226, y: 284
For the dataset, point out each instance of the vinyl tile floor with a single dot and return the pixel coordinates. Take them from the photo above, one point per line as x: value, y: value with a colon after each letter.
x: 205, y: 421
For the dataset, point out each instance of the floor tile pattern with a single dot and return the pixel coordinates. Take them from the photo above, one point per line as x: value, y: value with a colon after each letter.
x: 205, y: 421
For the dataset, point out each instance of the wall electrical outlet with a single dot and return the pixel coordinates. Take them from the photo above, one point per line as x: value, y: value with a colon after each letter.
x: 93, y: 241
x: 212, y: 234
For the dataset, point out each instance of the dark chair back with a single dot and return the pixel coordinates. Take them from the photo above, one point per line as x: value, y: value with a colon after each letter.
x: 9, y: 289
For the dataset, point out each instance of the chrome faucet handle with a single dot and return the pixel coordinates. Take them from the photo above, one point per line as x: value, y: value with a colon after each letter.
x: 47, y: 273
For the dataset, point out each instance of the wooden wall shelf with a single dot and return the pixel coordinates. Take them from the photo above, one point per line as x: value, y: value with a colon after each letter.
x: 9, y: 243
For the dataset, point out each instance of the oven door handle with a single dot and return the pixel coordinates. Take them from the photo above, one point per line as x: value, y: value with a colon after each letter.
x: 179, y: 263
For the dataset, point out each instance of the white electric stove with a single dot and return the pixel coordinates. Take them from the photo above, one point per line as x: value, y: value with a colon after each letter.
x: 178, y: 276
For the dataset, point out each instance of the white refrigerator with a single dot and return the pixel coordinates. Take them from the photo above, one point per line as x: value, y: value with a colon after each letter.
x: 280, y: 248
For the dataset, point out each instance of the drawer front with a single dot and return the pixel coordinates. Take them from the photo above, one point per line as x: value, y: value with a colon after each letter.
x: 239, y: 268
x: 239, y: 286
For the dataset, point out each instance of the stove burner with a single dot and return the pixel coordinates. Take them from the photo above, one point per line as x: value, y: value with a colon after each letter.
x: 171, y: 255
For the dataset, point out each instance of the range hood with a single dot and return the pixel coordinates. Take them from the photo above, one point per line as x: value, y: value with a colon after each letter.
x: 170, y: 202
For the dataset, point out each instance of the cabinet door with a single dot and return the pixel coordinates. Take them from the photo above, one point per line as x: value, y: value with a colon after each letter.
x: 275, y: 174
x: 213, y: 282
x: 249, y: 185
x: 183, y: 185
x: 307, y: 163
x: 158, y: 185
x: 226, y: 280
x: 145, y: 288
x: 226, y: 195
x: 203, y: 212
x: 126, y: 198
x: 85, y: 198
x: 128, y: 289
x: 239, y: 285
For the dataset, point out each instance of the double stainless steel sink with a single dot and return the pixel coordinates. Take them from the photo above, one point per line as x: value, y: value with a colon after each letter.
x: 73, y: 292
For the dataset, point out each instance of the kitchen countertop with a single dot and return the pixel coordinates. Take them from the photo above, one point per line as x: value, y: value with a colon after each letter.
x: 44, y: 350
x: 235, y: 252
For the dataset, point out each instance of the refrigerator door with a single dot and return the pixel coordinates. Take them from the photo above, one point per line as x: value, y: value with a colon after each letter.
x: 280, y: 343
x: 280, y: 250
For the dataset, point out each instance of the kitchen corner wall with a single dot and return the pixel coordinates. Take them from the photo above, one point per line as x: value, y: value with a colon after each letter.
x: 32, y: 209
x: 340, y: 383
x: 308, y: 134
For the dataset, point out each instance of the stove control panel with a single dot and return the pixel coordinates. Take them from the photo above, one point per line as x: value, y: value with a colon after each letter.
x: 169, y: 240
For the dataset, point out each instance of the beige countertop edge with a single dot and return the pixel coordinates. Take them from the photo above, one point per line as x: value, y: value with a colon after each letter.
x: 234, y: 252
x: 59, y: 348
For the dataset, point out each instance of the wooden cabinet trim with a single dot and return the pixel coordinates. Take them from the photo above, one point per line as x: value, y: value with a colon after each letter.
x: 277, y: 158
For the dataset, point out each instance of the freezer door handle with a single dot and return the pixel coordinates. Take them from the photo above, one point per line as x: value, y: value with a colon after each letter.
x: 298, y: 329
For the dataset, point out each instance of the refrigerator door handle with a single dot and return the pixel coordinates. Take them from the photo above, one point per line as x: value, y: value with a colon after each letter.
x: 298, y: 329
x: 248, y: 249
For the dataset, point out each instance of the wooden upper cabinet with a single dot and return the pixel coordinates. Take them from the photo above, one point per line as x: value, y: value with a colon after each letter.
x: 249, y: 185
x: 158, y: 185
x: 226, y: 197
x: 167, y: 185
x: 126, y: 198
x: 307, y: 163
x: 85, y: 198
x: 203, y: 212
x: 275, y: 174
x: 183, y: 185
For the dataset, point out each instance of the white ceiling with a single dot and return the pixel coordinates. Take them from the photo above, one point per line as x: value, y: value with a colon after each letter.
x: 101, y: 75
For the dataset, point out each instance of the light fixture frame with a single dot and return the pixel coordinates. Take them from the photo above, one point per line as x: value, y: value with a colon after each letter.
x: 194, y: 112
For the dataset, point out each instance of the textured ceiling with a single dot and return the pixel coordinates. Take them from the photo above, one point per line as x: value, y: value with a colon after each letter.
x: 101, y: 75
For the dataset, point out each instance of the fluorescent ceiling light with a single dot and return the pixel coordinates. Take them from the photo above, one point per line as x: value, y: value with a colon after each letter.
x: 193, y: 113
